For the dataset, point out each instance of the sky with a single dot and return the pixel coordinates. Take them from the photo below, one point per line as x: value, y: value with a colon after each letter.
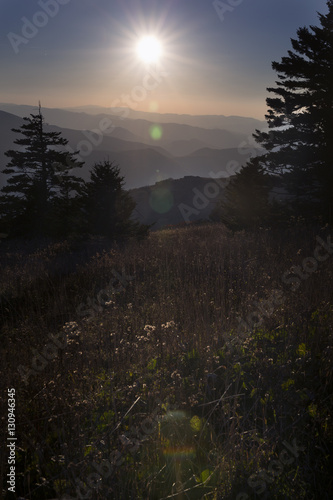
x: 216, y: 55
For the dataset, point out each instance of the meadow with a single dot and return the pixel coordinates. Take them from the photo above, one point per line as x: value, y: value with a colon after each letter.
x: 197, y: 363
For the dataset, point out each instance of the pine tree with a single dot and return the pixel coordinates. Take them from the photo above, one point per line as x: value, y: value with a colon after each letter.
x: 298, y: 145
x: 108, y: 206
x: 246, y: 200
x: 39, y: 172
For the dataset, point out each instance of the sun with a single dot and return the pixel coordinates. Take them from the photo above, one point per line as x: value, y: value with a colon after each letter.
x: 149, y: 49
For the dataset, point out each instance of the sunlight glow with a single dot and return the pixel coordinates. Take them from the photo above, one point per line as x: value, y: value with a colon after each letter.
x: 149, y: 49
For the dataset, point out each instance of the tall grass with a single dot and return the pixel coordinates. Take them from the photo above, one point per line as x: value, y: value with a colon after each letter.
x: 169, y: 344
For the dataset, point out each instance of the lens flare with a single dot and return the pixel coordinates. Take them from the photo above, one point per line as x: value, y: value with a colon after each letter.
x: 161, y: 200
x: 156, y: 132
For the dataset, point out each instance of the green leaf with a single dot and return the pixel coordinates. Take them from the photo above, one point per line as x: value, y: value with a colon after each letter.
x: 285, y: 386
x: 152, y: 364
x: 301, y: 351
x: 253, y: 392
x: 196, y: 423
x: 205, y: 475
x: 87, y: 450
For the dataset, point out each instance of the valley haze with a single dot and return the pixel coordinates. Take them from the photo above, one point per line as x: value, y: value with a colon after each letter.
x: 186, y: 145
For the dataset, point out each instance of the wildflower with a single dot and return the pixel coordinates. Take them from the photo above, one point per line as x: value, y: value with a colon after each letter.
x: 168, y: 324
x: 71, y: 328
x: 149, y: 328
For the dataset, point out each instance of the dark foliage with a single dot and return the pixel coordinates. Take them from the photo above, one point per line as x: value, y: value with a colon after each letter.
x: 246, y: 203
x: 38, y: 199
x: 298, y: 145
x: 108, y: 207
x: 43, y: 198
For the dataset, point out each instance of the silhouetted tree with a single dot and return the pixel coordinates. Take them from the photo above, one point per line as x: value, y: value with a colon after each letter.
x: 299, y: 144
x: 246, y: 200
x: 39, y: 178
x: 108, y: 206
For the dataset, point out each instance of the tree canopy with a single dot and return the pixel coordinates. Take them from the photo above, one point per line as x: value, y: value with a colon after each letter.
x: 39, y: 179
x: 299, y: 141
x: 245, y: 202
x: 108, y: 207
x: 42, y: 197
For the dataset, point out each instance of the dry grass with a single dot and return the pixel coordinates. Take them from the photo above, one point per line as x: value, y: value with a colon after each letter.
x: 169, y: 344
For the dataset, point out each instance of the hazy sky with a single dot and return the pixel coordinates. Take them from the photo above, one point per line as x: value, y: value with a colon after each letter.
x: 80, y: 52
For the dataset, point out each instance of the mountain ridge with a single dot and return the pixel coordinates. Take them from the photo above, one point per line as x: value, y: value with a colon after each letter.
x: 142, y: 162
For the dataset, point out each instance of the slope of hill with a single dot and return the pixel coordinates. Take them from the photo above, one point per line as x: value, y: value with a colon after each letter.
x: 140, y: 163
x: 202, y: 364
x: 241, y: 124
x: 170, y: 132
x: 180, y: 201
x: 213, y: 131
x: 207, y: 160
x: 7, y: 137
x: 139, y: 167
x: 184, y: 147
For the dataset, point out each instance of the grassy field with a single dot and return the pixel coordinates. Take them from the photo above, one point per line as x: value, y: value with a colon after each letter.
x: 195, y: 364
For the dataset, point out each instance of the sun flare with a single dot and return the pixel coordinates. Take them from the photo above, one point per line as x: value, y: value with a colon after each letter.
x: 149, y: 49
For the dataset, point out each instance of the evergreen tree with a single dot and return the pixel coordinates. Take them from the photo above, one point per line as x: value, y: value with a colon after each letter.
x: 66, y: 214
x: 298, y: 146
x: 245, y: 203
x: 108, y: 206
x: 39, y: 177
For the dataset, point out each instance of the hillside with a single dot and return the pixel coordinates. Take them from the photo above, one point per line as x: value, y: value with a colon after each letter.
x: 142, y: 160
x: 194, y: 362
x: 172, y: 202
x: 75, y: 117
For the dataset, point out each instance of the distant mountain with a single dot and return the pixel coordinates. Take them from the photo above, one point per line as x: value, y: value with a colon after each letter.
x: 100, y: 141
x: 184, y: 147
x: 239, y: 124
x: 126, y: 135
x: 139, y: 167
x: 54, y: 116
x: 7, y: 122
x: 137, y: 129
x: 7, y: 137
x: 142, y: 160
x: 206, y: 160
x: 140, y: 164
x: 180, y: 201
x: 172, y: 132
